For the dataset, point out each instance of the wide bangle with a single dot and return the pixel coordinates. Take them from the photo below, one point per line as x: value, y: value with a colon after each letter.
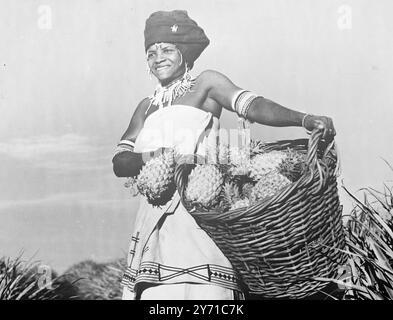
x: 241, y: 102
x: 303, y: 122
x: 304, y: 119
x: 124, y: 145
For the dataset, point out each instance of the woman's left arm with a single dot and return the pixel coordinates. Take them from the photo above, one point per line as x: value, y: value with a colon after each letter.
x: 261, y: 110
x: 270, y: 113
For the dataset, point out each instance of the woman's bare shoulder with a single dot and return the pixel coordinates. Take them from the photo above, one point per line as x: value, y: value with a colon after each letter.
x: 210, y: 75
x: 142, y: 108
x: 143, y: 104
x: 214, y: 79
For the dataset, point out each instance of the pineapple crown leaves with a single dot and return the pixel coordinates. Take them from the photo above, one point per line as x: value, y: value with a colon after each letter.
x: 294, y: 165
x: 247, y: 189
x: 256, y: 147
x: 131, y: 183
x: 230, y: 193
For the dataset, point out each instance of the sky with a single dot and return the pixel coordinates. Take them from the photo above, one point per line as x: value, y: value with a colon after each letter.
x: 72, y: 73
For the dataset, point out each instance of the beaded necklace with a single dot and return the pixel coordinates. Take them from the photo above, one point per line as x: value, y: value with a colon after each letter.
x: 167, y: 94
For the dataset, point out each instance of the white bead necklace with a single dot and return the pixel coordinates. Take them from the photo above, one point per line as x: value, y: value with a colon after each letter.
x: 167, y: 94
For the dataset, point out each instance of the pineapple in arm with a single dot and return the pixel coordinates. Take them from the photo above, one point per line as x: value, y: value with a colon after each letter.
x: 156, y: 178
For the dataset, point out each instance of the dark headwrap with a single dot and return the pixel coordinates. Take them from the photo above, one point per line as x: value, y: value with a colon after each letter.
x: 178, y: 28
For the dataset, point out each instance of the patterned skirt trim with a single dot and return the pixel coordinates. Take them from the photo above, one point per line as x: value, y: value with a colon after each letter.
x: 157, y: 273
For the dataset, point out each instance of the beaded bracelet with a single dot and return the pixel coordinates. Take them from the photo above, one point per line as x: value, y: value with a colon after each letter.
x: 241, y: 102
x: 124, y: 145
x: 303, y: 122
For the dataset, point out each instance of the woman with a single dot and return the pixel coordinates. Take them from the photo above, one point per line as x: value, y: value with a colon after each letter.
x: 170, y: 256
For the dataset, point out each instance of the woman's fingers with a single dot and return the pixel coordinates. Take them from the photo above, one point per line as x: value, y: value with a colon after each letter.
x: 325, y: 124
x: 322, y: 123
x: 329, y: 131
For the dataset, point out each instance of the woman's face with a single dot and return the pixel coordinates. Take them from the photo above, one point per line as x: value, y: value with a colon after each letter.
x: 165, y: 62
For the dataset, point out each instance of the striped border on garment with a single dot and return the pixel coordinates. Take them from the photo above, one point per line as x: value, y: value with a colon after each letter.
x: 160, y: 274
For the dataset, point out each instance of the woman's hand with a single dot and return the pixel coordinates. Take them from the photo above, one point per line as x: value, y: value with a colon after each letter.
x: 312, y: 122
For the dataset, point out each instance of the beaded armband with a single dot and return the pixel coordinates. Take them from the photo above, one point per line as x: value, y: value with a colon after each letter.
x: 124, y: 145
x: 241, y: 102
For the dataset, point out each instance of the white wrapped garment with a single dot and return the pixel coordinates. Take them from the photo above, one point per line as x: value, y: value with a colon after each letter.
x: 167, y: 246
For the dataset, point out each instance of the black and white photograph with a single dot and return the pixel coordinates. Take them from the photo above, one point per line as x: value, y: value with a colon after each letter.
x: 211, y: 150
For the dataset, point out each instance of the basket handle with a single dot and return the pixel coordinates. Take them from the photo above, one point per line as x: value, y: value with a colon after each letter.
x: 312, y: 157
x: 313, y: 143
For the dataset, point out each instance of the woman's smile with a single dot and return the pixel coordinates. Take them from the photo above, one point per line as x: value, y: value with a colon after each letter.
x: 165, y: 61
x: 162, y: 68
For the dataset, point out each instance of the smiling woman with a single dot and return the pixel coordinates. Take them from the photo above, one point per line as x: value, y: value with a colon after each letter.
x: 168, y: 247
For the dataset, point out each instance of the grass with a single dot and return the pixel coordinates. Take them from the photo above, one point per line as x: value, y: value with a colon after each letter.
x: 96, y: 281
x: 87, y: 280
x: 28, y: 280
x: 368, y: 275
x: 370, y: 246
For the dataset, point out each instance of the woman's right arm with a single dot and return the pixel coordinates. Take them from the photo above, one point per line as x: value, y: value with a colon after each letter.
x: 126, y: 163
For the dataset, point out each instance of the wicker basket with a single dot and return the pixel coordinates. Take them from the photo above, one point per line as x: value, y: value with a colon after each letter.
x: 280, y: 245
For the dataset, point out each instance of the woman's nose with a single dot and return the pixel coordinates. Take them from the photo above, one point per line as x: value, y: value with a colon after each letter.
x: 160, y: 56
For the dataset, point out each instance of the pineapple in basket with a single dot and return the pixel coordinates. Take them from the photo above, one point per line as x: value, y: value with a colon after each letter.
x: 268, y: 186
x: 232, y: 197
x: 218, y: 154
x: 247, y: 189
x: 205, y: 184
x: 293, y: 165
x: 156, y: 178
x: 265, y: 163
x: 240, y: 158
x: 241, y: 203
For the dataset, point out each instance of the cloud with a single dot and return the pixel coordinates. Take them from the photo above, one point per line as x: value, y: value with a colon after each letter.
x: 65, y: 152
x: 38, y: 146
x: 83, y: 198
x: 49, y: 199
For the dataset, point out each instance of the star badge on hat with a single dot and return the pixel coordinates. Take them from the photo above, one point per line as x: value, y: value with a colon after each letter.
x: 174, y: 28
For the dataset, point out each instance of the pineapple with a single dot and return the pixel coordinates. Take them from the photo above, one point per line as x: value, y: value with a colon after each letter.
x: 294, y: 165
x: 247, y: 189
x: 156, y: 178
x: 242, y: 203
x: 230, y: 194
x: 132, y: 184
x: 269, y: 185
x: 255, y: 147
x: 239, y: 159
x: 265, y: 163
x: 223, y: 153
x: 205, y: 183
x: 218, y: 154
